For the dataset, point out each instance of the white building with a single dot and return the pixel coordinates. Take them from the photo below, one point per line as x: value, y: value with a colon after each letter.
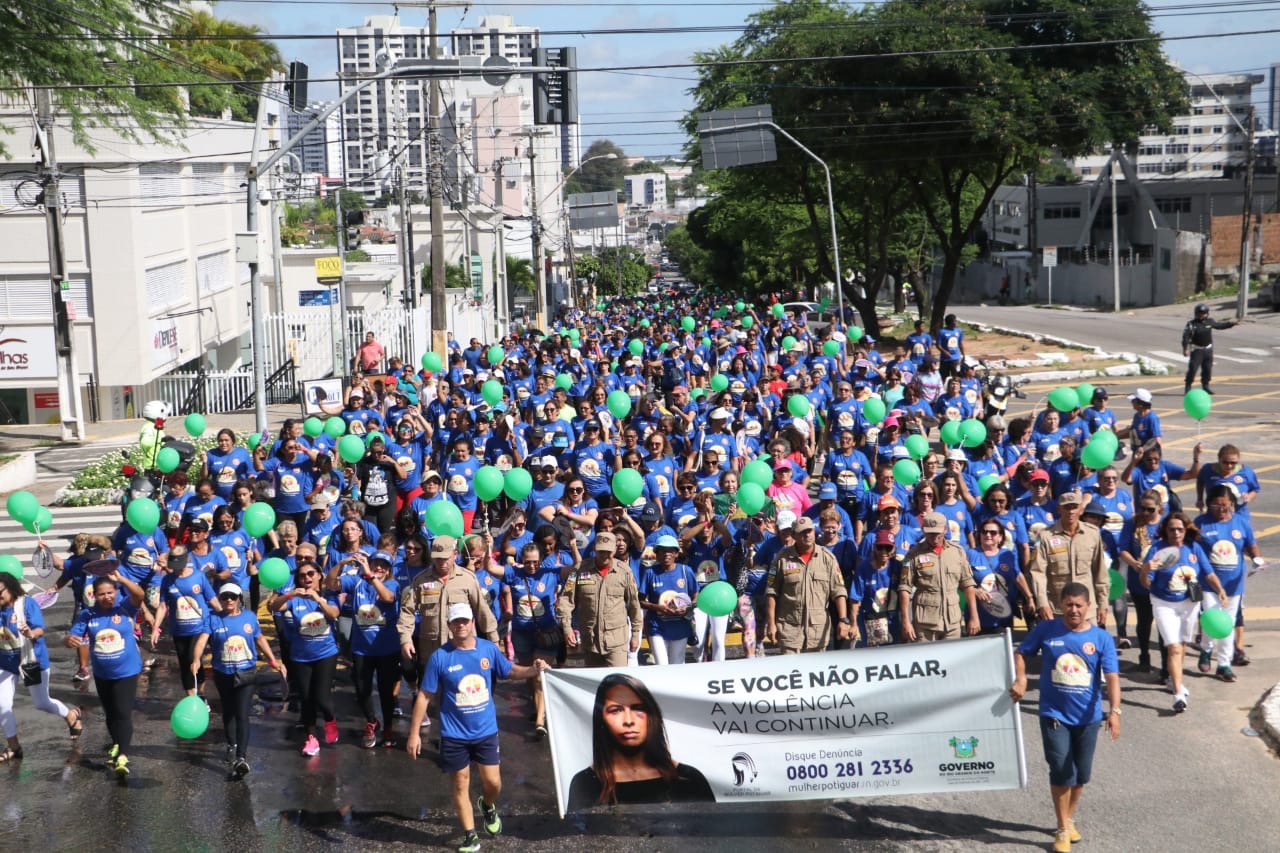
x: 647, y: 190
x: 1208, y: 142
x: 320, y: 150
x: 496, y: 35
x: 149, y: 235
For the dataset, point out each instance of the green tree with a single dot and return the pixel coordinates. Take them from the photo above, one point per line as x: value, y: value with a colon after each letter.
x: 520, y: 275
x: 225, y: 50
x: 603, y: 269
x: 599, y: 175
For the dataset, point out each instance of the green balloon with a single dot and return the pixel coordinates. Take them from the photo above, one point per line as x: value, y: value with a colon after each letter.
x: 445, y: 519
x: 619, y: 403
x: 798, y: 405
x: 706, y: 341
x: 143, y: 515
x: 432, y: 362
x: 644, y: 324
x: 351, y: 448
x: 628, y: 486
x: 664, y: 346
x: 1117, y: 585
x: 778, y: 309
x: 11, y: 565
x: 719, y: 382
x: 496, y: 355
x: 951, y: 433
x: 987, y: 482
x: 259, y: 519
x: 717, y: 598
x: 748, y: 321
x: 874, y: 409
x: 491, y: 391
x: 855, y: 333
x: 312, y: 427
x: 190, y: 718
x: 22, y: 506
x: 273, y: 573
x: 906, y: 472
x: 488, y: 483
x: 167, y: 460
x: 371, y: 437
x: 1084, y: 394
x: 972, y: 432
x: 1098, y: 454
x: 1197, y: 403
x: 335, y: 427
x: 788, y: 342
x: 739, y: 306
x: 195, y: 425
x: 517, y: 483
x: 688, y: 323
x: 831, y: 349
x: 41, y: 523
x: 1063, y: 398
x: 759, y: 472
x: 575, y: 335
x: 917, y: 446
x: 564, y: 381
x: 636, y: 346
x: 751, y: 497
x: 1217, y: 623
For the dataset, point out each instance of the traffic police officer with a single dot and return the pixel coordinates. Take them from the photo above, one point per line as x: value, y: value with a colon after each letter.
x: 804, y: 580
x: 604, y: 595
x: 1197, y: 344
x: 931, y: 572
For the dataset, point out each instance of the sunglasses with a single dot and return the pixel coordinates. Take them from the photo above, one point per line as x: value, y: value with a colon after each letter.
x: 305, y: 575
x: 1148, y: 508
x: 228, y: 597
x: 575, y: 489
x: 992, y: 532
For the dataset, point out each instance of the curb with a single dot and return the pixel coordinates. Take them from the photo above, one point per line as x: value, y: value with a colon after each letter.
x: 1138, y: 365
x: 1268, y: 715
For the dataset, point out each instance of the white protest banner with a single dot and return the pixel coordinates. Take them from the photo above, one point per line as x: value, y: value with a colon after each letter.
x: 868, y: 722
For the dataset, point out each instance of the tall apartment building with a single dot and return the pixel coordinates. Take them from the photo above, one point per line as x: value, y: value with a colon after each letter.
x: 1207, y: 142
x: 496, y: 35
x: 320, y: 150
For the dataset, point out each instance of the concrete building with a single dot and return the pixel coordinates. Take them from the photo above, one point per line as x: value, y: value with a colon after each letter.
x: 321, y: 149
x: 647, y: 191
x: 496, y: 35
x: 1208, y: 142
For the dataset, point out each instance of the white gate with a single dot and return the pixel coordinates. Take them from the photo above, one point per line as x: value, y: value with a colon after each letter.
x: 307, y: 336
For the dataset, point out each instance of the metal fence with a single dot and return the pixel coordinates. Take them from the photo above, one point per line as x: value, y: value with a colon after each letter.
x: 307, y: 337
x: 222, y: 392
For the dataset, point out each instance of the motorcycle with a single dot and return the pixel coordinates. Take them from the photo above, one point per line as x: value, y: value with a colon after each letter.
x: 149, y: 483
x: 998, y: 389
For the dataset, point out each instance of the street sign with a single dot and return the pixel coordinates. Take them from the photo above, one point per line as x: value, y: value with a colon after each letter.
x: 316, y: 298
x: 736, y: 137
x: 1050, y: 256
x: 593, y: 210
x: 477, y: 278
x: 497, y: 71
x: 329, y: 269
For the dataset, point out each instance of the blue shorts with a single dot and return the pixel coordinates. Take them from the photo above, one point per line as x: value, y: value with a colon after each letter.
x: 1068, y: 751
x: 456, y: 755
x: 529, y: 643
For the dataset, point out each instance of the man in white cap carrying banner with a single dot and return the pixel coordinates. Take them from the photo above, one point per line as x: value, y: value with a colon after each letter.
x: 459, y: 676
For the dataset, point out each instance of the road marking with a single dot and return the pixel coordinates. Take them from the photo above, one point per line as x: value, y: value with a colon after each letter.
x: 1239, y: 360
x: 1263, y: 534
x: 1252, y: 351
x: 1251, y: 614
x: 1164, y: 353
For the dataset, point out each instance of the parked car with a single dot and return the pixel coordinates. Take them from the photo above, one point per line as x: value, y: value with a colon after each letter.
x: 1269, y: 294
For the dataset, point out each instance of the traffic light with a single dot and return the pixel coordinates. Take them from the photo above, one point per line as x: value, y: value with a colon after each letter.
x: 555, y: 93
x: 295, y: 86
x: 352, y: 220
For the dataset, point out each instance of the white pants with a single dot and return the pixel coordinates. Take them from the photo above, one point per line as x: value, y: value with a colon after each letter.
x: 1222, y: 650
x: 39, y: 698
x: 1175, y: 620
x: 667, y: 651
x: 713, y: 628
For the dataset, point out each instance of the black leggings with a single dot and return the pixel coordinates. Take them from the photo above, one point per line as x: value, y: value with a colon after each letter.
x: 236, y: 705
x: 387, y: 668
x: 117, y: 695
x: 185, y: 646
x: 315, y: 680
x: 286, y: 652
x: 1146, y: 620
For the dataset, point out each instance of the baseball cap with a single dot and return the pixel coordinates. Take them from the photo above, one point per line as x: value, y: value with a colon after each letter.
x: 591, y: 424
x: 606, y: 542
x: 443, y: 546
x: 1100, y: 393
x: 199, y: 524
x: 828, y: 491
x: 177, y: 557
x: 884, y: 537
x: 230, y: 589
x: 537, y: 432
x: 901, y: 452
x: 1142, y: 395
x: 650, y: 513
x: 1071, y: 498
x: 888, y: 502
x: 933, y: 522
x: 803, y: 524
x: 355, y: 392
x: 957, y: 454
x: 890, y: 422
x: 382, y: 556
x: 719, y: 413
x: 1039, y: 476
x: 460, y: 612
x: 1094, y: 507
x: 668, y: 542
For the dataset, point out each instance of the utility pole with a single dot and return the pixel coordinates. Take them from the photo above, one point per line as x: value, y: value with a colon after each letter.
x: 70, y: 411
x: 1115, y: 237
x: 435, y: 186
x: 535, y: 228
x: 339, y: 334
x: 1246, y: 225
x: 500, y: 294
x: 406, y: 250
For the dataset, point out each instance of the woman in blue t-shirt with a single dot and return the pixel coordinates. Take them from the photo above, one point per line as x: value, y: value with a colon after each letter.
x: 313, y: 648
x: 22, y: 628
x: 668, y: 592
x: 226, y: 464
x: 234, y: 638
x: 997, y: 571
x: 107, y: 628
x: 534, y: 630
x: 375, y: 645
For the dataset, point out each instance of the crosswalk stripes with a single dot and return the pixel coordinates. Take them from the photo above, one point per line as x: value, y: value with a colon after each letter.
x: 1252, y: 351
x: 63, y: 463
x: 67, y: 522
x: 1173, y: 358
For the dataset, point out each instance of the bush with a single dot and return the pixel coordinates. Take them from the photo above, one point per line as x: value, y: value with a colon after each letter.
x: 104, y: 474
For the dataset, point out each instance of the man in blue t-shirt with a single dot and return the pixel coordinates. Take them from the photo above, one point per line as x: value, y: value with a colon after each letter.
x: 1076, y: 658
x: 459, y: 677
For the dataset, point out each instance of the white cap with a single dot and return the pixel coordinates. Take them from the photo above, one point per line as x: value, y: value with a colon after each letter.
x: 1142, y: 395
x: 957, y: 454
x: 719, y: 413
x: 461, y: 610
x: 230, y: 589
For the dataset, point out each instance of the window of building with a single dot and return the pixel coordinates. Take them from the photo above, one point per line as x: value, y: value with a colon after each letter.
x: 1062, y: 211
x: 28, y: 299
x: 1174, y: 204
x: 1086, y: 170
x: 1197, y: 130
x: 348, y: 47
x: 1176, y: 148
x: 1217, y: 128
x: 213, y: 272
x: 1149, y: 150
x: 1218, y: 110
x: 166, y: 286
x: 1197, y: 111
x: 208, y: 184
x: 160, y: 184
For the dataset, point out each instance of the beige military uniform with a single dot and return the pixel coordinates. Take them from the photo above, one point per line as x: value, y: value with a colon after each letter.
x: 429, y: 596
x: 803, y: 595
x: 1060, y: 558
x: 608, y: 609
x: 932, y: 579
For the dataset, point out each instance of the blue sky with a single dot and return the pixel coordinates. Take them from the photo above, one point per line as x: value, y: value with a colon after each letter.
x: 639, y: 110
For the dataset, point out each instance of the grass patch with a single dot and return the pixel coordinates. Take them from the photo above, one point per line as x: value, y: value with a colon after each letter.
x: 6, y: 458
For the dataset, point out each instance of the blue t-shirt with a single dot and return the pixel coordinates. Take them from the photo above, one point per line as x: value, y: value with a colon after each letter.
x: 675, y: 586
x: 997, y: 574
x: 1225, y: 543
x: 293, y: 482
x: 1072, y: 669
x: 227, y: 468
x: 11, y: 640
x: 1170, y: 583
x: 310, y: 630
x: 113, y: 650
x: 189, y: 601
x: 233, y: 641
x: 533, y: 598
x: 463, y: 682
x: 138, y: 553
x: 234, y: 546
x: 373, y: 630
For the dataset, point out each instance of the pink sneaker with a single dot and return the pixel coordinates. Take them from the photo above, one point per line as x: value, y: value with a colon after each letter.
x: 331, y: 731
x: 311, y: 747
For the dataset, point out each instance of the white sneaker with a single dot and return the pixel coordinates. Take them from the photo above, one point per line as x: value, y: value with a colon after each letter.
x: 1180, y: 701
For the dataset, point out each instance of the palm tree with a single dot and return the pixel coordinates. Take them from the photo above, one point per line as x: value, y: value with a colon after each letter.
x: 520, y: 275
x: 224, y: 50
